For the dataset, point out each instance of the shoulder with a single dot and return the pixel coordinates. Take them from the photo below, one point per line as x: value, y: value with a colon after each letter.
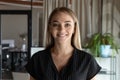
x: 83, y: 54
x: 41, y: 54
x: 83, y: 57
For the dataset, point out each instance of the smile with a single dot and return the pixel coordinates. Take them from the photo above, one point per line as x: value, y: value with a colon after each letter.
x: 61, y: 35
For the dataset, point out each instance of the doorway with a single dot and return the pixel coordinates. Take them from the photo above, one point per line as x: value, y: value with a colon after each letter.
x: 15, y: 38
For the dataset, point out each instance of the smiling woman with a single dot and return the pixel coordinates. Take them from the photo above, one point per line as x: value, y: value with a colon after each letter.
x: 63, y: 58
x: 62, y: 28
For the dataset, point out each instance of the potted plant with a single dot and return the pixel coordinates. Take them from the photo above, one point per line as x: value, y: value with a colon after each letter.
x: 99, y: 42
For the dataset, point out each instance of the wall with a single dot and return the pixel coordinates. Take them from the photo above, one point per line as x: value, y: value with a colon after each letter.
x: 17, y: 24
x: 13, y: 26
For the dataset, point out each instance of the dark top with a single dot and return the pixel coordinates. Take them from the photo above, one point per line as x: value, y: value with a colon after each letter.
x: 81, y: 66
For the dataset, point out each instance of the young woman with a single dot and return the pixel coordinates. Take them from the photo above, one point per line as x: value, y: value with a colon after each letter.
x: 63, y: 58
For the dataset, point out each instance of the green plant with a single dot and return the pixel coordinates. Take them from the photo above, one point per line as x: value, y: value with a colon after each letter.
x: 99, y: 39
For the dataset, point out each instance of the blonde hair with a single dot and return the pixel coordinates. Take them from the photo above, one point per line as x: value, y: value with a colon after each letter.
x: 76, y: 41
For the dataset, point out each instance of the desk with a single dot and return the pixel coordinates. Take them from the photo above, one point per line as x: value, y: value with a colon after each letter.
x: 16, y: 58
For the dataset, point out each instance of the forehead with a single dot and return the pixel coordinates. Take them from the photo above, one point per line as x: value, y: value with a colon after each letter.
x: 61, y: 16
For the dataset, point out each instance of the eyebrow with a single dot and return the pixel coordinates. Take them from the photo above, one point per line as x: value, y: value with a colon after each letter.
x: 57, y: 21
x: 67, y: 21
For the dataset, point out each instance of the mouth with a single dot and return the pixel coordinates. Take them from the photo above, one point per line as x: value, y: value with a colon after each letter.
x: 62, y: 35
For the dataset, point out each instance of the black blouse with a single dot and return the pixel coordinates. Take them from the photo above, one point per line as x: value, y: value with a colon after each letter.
x: 81, y: 66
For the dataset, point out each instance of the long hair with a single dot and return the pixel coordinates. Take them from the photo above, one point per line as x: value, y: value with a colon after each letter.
x: 76, y: 40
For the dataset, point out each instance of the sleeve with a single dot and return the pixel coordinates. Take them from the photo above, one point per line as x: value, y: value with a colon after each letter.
x: 31, y: 67
x: 93, y: 69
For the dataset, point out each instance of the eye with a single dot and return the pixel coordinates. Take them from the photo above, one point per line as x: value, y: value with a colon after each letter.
x: 67, y: 25
x: 55, y: 24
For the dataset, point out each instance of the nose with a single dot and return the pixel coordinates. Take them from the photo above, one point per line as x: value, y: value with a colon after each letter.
x: 61, y: 28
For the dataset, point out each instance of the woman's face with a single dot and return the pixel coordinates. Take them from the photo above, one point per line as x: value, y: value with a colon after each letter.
x: 61, y: 27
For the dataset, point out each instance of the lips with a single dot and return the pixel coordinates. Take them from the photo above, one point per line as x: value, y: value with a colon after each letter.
x: 61, y: 35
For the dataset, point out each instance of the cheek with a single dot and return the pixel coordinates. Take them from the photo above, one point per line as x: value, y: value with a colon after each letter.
x: 72, y: 30
x: 52, y: 32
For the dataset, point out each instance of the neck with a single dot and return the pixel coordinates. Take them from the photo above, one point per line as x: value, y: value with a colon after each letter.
x: 62, y: 49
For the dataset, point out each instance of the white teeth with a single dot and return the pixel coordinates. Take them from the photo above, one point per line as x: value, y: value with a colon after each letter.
x: 61, y: 35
